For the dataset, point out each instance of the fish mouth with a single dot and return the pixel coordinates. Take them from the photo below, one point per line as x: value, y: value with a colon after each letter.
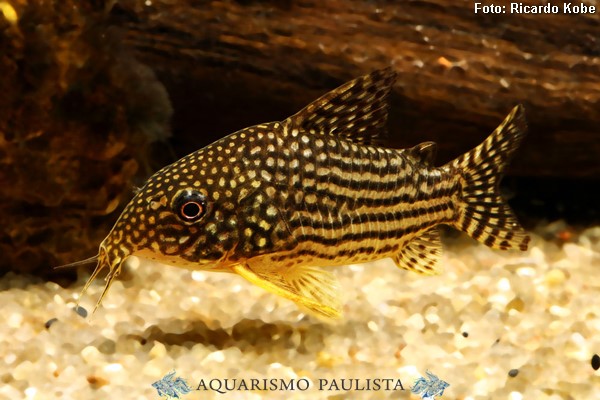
x: 104, y: 260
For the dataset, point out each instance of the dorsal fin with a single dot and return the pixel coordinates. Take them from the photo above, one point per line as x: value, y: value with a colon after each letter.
x: 357, y: 110
x: 424, y: 152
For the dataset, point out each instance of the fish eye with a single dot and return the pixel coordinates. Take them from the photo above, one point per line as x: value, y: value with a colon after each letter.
x: 190, y: 206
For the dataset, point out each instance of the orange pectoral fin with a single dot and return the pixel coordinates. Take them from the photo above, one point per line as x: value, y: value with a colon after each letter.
x: 309, y: 287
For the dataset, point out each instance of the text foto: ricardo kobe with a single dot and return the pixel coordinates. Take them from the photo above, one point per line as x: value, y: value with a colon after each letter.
x: 520, y: 8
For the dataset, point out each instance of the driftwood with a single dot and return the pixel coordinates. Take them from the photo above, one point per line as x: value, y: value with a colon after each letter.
x: 229, y: 64
x: 80, y: 105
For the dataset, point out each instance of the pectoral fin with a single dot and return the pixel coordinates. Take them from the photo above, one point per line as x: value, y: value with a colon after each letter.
x: 309, y: 287
x: 422, y: 254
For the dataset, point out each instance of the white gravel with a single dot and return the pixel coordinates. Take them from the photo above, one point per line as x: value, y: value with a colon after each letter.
x: 490, y: 312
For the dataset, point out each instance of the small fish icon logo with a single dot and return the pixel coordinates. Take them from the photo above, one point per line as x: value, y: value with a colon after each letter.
x: 428, y: 389
x: 171, y: 387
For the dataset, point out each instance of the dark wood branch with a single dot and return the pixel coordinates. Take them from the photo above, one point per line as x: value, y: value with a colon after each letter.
x: 80, y: 104
x: 460, y: 73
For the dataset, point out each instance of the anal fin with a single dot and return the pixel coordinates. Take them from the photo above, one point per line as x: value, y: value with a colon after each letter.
x: 422, y: 254
x: 309, y: 287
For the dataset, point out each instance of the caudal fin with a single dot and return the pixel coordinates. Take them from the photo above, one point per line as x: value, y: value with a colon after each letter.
x: 483, y: 214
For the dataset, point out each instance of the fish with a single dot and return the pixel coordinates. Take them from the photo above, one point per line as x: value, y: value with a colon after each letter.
x: 280, y: 202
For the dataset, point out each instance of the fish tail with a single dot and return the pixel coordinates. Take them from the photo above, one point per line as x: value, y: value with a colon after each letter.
x: 482, y: 213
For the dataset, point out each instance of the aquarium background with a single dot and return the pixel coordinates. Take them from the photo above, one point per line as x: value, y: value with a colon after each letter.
x: 95, y: 96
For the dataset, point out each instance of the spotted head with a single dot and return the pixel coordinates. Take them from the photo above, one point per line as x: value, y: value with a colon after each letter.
x: 204, y: 211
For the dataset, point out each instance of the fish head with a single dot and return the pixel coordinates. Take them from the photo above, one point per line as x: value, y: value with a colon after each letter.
x: 184, y: 215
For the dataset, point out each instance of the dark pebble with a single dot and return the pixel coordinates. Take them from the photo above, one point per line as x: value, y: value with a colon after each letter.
x: 595, y: 362
x: 49, y: 323
x: 81, y: 311
x: 513, y: 372
x: 465, y: 334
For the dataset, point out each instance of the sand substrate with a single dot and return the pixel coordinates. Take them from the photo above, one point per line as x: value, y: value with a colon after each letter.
x: 494, y: 325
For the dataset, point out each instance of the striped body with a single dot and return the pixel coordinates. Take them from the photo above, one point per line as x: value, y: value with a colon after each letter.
x: 274, y: 202
x: 307, y: 199
x: 345, y: 203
